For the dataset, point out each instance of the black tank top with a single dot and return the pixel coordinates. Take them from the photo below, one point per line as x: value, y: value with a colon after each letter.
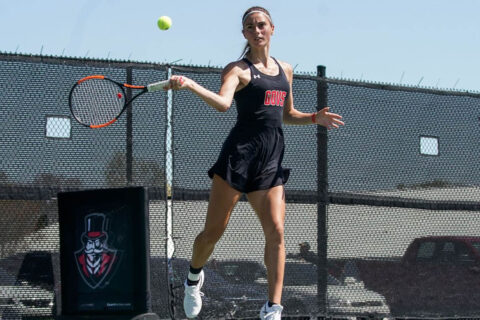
x: 261, y: 102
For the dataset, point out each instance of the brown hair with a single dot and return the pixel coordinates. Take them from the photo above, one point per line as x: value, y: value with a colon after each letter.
x: 249, y: 10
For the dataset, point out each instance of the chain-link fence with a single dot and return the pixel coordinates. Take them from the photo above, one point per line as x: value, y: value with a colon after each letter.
x: 382, y: 223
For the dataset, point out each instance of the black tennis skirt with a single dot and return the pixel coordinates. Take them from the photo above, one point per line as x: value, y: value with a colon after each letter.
x: 251, y: 159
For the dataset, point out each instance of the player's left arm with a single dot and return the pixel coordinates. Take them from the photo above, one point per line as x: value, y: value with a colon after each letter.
x: 295, y: 117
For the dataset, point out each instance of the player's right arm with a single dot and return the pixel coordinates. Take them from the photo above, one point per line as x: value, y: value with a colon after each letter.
x: 222, y: 100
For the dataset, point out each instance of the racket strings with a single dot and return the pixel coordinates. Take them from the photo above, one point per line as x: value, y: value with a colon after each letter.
x: 97, y: 101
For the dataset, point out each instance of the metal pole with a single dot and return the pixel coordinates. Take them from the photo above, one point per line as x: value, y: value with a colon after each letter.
x: 322, y: 193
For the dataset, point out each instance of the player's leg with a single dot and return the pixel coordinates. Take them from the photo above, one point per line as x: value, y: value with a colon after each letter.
x: 270, y: 208
x: 221, y: 203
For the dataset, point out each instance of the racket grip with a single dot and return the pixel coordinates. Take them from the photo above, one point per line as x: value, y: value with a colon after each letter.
x: 156, y: 86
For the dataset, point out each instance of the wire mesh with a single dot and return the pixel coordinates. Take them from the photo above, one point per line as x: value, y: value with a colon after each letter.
x: 396, y: 235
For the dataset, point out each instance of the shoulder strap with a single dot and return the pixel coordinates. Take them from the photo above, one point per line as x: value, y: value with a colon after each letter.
x: 248, y: 62
x: 253, y: 70
x: 279, y: 66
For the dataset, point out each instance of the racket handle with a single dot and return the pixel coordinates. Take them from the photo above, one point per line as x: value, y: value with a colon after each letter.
x: 156, y: 86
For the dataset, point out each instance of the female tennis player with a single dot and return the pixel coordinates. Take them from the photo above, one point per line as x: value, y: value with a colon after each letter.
x: 250, y: 161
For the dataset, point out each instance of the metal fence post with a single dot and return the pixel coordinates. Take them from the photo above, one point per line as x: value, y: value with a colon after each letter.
x: 322, y: 194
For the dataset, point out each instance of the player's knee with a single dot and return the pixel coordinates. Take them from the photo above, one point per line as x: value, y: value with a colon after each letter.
x: 274, y: 234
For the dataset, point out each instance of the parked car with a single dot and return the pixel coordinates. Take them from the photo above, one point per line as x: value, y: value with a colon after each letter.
x: 29, y: 294
x: 243, y: 284
x: 351, y: 299
x: 348, y: 298
x: 22, y: 301
x: 437, y: 276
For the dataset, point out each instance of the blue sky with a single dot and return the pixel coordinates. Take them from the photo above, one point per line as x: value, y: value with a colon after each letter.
x: 434, y: 43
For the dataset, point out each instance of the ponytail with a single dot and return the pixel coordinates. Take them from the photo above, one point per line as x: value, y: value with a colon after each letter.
x: 245, y: 51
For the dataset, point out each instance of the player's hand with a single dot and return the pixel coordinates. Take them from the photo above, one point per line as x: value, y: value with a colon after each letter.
x: 178, y: 83
x: 328, y: 119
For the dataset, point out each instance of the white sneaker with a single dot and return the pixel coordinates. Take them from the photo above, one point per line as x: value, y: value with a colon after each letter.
x: 271, y: 313
x: 192, y: 302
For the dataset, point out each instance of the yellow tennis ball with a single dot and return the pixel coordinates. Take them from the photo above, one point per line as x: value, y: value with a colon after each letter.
x: 164, y: 22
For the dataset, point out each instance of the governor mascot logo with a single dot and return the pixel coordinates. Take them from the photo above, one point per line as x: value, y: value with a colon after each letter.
x: 96, y: 260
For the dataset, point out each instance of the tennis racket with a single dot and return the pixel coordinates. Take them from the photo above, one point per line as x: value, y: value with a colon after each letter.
x: 97, y: 101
